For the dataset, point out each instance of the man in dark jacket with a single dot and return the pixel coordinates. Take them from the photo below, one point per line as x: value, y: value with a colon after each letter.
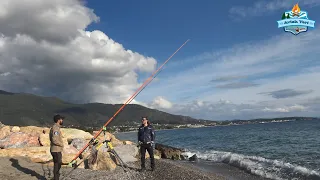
x: 146, y: 137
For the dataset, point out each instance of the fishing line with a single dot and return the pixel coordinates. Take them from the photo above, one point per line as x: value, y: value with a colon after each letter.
x: 154, y: 74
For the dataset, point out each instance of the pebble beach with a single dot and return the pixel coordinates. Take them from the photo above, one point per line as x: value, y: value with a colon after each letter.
x: 21, y: 168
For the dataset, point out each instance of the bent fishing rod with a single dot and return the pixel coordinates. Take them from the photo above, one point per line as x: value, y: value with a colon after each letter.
x: 127, y: 102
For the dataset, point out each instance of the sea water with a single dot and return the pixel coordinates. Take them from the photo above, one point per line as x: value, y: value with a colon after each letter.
x: 286, y: 150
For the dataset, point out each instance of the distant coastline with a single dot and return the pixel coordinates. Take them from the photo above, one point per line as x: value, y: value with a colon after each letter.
x: 216, y: 124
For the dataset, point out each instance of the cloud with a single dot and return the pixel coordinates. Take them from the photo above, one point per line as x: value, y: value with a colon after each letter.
x: 261, y: 8
x: 46, y: 50
x: 286, y: 109
x: 236, y: 85
x: 286, y: 93
x: 54, y: 21
x: 280, y: 62
x: 161, y: 103
x: 227, y: 78
x: 50, y: 52
x: 225, y: 111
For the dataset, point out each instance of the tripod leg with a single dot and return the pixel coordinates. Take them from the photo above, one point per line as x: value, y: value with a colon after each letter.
x: 121, y: 161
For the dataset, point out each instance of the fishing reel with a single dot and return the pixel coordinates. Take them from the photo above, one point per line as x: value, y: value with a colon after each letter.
x: 95, y: 142
x: 73, y: 164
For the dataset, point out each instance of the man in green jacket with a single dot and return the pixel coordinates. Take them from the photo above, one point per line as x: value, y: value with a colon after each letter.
x: 56, y: 145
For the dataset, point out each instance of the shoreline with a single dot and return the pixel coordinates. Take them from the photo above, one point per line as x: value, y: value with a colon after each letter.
x: 224, y: 170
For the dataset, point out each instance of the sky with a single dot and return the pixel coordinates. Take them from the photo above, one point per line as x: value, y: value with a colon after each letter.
x: 237, y: 65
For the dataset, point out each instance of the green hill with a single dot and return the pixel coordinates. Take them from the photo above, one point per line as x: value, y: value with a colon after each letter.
x: 27, y: 109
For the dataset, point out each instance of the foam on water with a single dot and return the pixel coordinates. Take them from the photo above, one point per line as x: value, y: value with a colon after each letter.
x: 273, y: 169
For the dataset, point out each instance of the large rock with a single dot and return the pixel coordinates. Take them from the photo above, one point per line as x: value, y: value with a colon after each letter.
x: 72, y: 133
x: 15, y: 129
x: 157, y: 152
x: 79, y: 143
x: 44, y: 139
x: 68, y: 153
x: 194, y: 158
x: 19, y: 140
x: 127, y: 153
x: 35, y: 130
x: 4, y: 131
x: 114, y: 141
x: 39, y: 154
x: 99, y: 160
x: 1, y: 125
x: 168, y: 152
x: 35, y: 154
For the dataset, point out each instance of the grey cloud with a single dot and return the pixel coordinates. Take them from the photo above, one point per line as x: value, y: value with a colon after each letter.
x: 227, y: 78
x: 286, y: 93
x: 313, y: 103
x: 236, y: 85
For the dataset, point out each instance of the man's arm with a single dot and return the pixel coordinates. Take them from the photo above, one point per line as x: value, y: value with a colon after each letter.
x: 139, y: 134
x: 153, y: 134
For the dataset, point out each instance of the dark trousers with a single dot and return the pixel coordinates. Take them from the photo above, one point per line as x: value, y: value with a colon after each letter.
x: 143, y: 149
x: 57, y: 160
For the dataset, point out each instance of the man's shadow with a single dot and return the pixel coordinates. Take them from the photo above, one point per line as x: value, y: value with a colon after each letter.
x: 15, y: 163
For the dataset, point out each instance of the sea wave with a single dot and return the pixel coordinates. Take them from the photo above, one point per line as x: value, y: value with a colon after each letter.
x: 272, y: 169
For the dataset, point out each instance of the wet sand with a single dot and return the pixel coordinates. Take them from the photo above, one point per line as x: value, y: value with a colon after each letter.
x: 225, y: 170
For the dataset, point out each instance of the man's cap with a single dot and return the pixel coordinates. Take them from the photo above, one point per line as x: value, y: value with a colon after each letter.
x: 57, y: 117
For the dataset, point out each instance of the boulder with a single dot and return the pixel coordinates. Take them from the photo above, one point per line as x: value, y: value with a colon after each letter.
x: 19, y: 140
x: 193, y: 158
x: 157, y: 152
x: 4, y: 131
x: 72, y: 133
x: 1, y: 125
x: 15, y: 129
x: 35, y: 154
x: 68, y: 153
x: 127, y: 153
x: 44, y: 139
x: 39, y: 154
x: 79, y: 143
x: 99, y: 160
x: 114, y: 141
x: 168, y: 152
x: 35, y: 130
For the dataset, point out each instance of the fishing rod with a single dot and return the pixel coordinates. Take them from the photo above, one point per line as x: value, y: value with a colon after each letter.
x: 73, y: 161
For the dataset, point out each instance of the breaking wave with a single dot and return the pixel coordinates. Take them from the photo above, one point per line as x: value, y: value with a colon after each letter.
x: 272, y: 169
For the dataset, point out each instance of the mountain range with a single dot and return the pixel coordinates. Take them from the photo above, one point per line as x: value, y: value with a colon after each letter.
x: 27, y: 109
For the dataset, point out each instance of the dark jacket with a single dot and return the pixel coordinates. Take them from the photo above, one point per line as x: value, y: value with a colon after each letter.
x: 146, y: 134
